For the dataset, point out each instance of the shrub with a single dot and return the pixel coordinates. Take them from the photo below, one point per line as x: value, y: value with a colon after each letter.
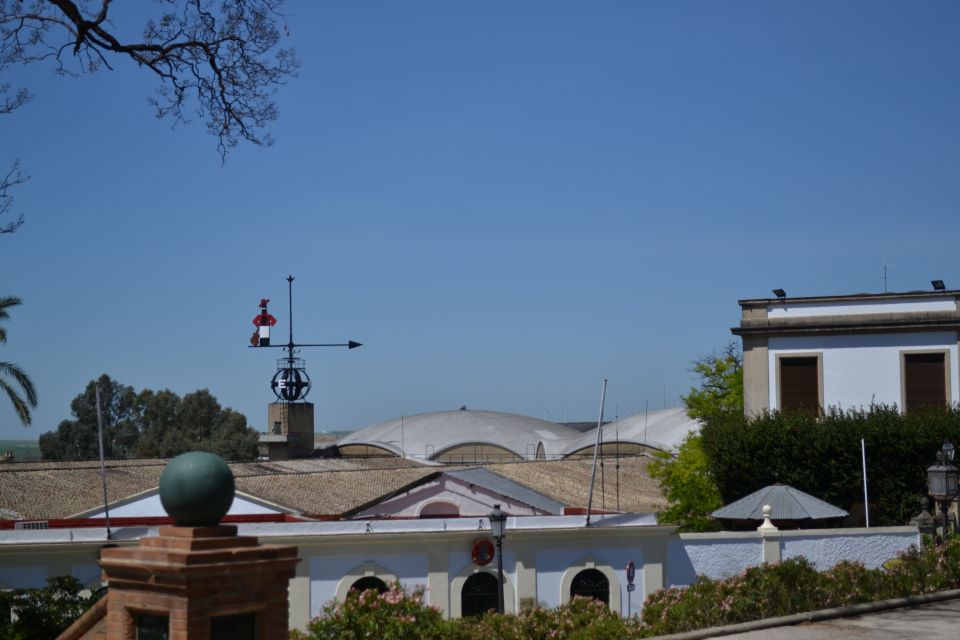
x: 766, y: 591
x: 794, y: 586
x: 395, y: 614
x: 580, y: 619
x: 821, y: 455
x: 43, y: 612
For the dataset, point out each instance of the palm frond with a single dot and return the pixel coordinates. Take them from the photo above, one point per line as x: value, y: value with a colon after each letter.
x: 23, y: 411
x: 8, y: 369
x: 6, y: 302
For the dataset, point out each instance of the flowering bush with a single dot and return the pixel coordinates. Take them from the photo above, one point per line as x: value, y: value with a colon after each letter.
x: 793, y: 586
x: 580, y: 619
x: 395, y: 614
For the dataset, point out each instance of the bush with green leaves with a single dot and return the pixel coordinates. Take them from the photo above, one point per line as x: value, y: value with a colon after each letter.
x: 396, y: 614
x: 795, y: 586
x: 580, y: 619
x: 765, y: 591
x: 43, y: 613
x: 821, y: 455
x: 687, y: 484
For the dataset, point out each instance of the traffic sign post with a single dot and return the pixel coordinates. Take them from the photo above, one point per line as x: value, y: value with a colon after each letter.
x: 631, y: 574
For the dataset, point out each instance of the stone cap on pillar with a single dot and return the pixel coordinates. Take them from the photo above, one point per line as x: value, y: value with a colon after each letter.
x: 197, y: 489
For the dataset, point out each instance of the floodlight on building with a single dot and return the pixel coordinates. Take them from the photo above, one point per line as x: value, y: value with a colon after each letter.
x: 780, y: 293
x: 938, y: 285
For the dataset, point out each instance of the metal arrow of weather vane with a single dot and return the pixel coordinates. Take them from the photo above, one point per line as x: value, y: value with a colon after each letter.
x: 291, y: 382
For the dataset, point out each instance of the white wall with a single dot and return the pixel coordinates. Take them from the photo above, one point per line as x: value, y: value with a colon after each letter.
x: 872, y: 549
x: 724, y: 554
x: 716, y: 556
x: 864, y: 368
x: 552, y: 564
x: 470, y: 500
x: 858, y: 307
x: 327, y: 571
x: 150, y: 507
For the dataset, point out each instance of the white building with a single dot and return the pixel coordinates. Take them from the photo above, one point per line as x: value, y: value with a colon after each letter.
x: 850, y: 351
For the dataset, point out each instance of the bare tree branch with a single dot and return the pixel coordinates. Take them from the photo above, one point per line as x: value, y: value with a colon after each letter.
x: 218, y: 59
x: 13, y: 178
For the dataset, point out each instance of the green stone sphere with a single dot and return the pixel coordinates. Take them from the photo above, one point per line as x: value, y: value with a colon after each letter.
x: 196, y: 489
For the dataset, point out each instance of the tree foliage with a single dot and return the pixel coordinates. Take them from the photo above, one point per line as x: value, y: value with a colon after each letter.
x: 821, y: 455
x: 22, y: 393
x: 719, y: 384
x: 43, y: 612
x: 148, y: 424
x: 221, y: 61
x: 687, y: 484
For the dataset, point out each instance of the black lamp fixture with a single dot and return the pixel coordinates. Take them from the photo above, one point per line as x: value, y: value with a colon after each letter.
x: 942, y: 479
x: 780, y: 293
x: 938, y: 285
x: 498, y: 528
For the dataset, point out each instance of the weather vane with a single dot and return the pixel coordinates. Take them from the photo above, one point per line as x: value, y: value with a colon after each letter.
x: 291, y: 382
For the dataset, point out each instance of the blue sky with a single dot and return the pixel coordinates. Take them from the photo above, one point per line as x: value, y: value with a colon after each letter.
x: 505, y: 202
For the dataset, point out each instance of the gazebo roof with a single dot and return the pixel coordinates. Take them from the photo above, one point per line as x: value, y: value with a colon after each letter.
x: 786, y: 503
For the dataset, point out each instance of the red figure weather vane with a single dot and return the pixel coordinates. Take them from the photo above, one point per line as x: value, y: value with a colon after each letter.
x: 262, y: 321
x: 291, y: 382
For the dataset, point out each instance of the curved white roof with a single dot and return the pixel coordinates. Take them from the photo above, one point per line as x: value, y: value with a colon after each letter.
x: 664, y: 429
x: 429, y: 434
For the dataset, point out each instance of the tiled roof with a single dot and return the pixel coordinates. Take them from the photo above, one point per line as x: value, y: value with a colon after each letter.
x: 331, y: 492
x: 48, y: 490
x: 44, y: 490
x: 569, y: 482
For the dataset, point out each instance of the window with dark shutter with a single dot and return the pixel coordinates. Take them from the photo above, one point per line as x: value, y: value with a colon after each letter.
x: 800, y: 383
x: 924, y: 380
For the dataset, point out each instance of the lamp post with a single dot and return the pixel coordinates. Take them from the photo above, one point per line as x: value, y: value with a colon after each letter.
x: 498, y: 527
x: 942, y: 480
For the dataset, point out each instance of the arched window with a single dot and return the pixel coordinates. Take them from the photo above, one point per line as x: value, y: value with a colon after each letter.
x: 440, y: 509
x: 369, y: 582
x: 479, y: 595
x: 592, y: 584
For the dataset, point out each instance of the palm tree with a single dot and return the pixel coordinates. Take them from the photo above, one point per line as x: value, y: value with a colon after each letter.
x: 9, y: 370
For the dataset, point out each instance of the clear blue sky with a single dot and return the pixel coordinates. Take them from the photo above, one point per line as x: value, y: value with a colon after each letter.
x: 505, y: 202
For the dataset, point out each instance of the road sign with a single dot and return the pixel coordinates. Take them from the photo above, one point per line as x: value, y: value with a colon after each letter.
x: 631, y: 572
x: 631, y: 587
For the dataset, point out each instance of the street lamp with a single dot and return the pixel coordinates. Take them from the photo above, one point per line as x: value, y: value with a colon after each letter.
x: 942, y: 480
x: 498, y: 527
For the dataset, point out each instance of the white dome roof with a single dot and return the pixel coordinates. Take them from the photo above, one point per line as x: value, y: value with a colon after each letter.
x: 664, y: 429
x: 429, y: 434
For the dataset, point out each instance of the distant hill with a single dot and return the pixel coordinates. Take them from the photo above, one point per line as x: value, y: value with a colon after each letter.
x: 21, y: 449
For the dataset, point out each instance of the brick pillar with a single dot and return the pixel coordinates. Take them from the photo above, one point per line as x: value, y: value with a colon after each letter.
x: 200, y: 579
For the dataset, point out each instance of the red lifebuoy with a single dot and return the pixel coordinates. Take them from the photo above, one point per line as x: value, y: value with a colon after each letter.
x: 482, y: 552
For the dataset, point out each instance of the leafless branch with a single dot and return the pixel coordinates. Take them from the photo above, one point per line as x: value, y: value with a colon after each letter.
x: 13, y: 178
x: 218, y: 59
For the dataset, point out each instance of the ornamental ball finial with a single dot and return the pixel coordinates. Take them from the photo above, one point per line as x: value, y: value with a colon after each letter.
x: 196, y: 489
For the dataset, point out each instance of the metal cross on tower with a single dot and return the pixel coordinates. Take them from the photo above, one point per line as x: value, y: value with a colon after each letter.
x: 291, y: 382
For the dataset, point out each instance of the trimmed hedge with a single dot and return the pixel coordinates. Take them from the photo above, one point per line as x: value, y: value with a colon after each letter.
x: 821, y: 455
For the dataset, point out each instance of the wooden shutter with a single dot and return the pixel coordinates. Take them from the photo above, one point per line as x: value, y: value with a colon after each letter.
x: 925, y: 380
x: 799, y: 384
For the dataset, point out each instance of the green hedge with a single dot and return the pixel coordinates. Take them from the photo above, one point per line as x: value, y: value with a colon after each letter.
x: 821, y: 456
